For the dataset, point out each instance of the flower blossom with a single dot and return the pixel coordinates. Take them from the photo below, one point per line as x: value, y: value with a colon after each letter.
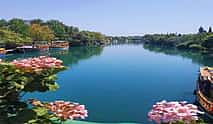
x: 64, y: 110
x: 171, y: 112
x: 37, y: 63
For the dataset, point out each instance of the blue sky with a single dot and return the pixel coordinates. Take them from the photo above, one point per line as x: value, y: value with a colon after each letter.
x: 117, y: 17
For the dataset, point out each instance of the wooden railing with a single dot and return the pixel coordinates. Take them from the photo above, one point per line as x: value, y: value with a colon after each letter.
x: 205, y: 103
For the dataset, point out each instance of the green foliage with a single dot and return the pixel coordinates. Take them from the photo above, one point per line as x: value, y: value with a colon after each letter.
x: 19, y: 26
x: 39, y: 30
x: 42, y: 116
x: 9, y: 38
x: 58, y: 28
x: 210, y: 30
x: 41, y: 33
x: 208, y: 43
x: 3, y: 23
x: 36, y: 21
x: 13, y: 83
x: 161, y: 39
x: 36, y: 115
x: 196, y: 47
x: 202, y: 41
x: 201, y: 30
x: 20, y: 80
x: 90, y: 38
x: 72, y: 34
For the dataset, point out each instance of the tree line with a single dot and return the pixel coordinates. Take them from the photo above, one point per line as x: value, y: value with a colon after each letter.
x: 18, y: 32
x: 200, y: 41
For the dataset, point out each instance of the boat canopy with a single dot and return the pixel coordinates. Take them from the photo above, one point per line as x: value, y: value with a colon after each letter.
x: 40, y: 42
x: 207, y: 73
x: 25, y: 47
x: 60, y: 44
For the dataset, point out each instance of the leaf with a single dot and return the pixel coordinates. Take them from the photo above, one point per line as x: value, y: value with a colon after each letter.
x: 19, y: 86
x: 23, y: 116
x: 51, y: 77
x: 33, y: 121
x: 53, y: 86
x: 10, y: 77
x: 40, y: 111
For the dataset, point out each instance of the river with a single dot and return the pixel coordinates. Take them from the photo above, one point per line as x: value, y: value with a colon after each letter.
x: 120, y: 83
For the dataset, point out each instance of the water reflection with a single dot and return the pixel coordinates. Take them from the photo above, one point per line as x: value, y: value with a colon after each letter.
x: 196, y: 57
x: 124, y: 81
x: 69, y: 57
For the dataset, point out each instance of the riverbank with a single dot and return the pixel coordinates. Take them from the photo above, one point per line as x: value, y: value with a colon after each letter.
x: 18, y: 32
x: 201, y: 42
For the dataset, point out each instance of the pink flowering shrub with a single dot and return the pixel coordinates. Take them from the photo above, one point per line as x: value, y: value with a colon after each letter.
x: 172, y: 112
x: 37, y: 63
x: 62, y: 109
x: 67, y: 110
x: 36, y: 74
x: 32, y: 74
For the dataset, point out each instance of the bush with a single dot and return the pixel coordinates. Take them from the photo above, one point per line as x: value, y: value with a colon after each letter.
x: 208, y: 43
x: 196, y: 47
x: 28, y: 75
x: 182, y: 46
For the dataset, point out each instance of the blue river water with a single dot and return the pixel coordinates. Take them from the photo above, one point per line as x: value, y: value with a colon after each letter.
x: 120, y: 83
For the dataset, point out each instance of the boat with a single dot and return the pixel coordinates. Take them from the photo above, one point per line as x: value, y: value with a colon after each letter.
x: 36, y: 46
x: 25, y: 48
x: 10, y: 51
x: 60, y: 44
x: 2, y: 52
x: 41, y: 45
x: 204, y: 90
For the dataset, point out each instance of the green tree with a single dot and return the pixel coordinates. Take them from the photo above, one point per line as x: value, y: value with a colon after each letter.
x: 39, y: 30
x: 71, y: 32
x: 208, y: 43
x: 11, y: 39
x: 58, y: 28
x: 210, y: 30
x: 201, y: 30
x: 36, y: 21
x: 41, y: 33
x: 19, y: 26
x: 3, y: 23
x: 99, y: 36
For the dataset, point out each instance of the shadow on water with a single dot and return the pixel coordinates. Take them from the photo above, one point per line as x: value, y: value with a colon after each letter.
x: 69, y: 56
x: 196, y: 57
x: 75, y: 54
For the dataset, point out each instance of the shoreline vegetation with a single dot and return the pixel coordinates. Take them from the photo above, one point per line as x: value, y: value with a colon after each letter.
x: 201, y: 42
x: 19, y: 32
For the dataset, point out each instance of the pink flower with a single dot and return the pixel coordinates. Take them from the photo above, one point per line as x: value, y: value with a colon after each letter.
x: 37, y: 63
x: 168, y: 112
x: 64, y: 110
